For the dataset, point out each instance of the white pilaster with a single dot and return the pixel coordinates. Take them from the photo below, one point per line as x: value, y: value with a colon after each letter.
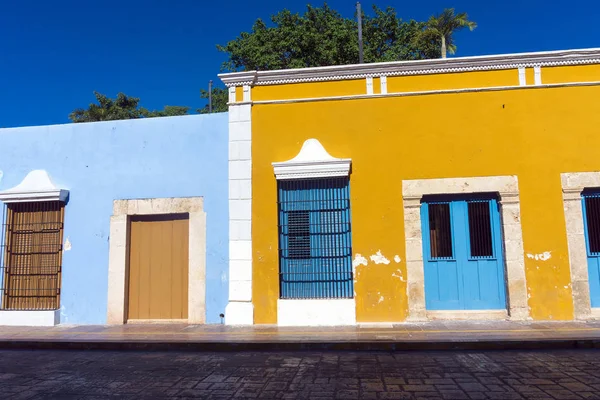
x: 240, y: 310
x: 369, y: 85
x: 537, y: 73
x: 383, y: 82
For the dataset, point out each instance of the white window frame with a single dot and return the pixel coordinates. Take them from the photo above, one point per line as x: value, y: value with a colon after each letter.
x: 37, y: 186
x: 508, y: 189
x: 573, y: 184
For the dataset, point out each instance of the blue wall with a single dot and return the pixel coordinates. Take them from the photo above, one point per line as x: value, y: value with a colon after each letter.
x: 103, y: 161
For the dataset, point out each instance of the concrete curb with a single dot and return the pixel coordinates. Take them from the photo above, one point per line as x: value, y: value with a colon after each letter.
x: 385, y: 346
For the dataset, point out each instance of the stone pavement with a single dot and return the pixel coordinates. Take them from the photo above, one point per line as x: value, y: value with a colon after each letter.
x: 434, y: 335
x: 448, y: 375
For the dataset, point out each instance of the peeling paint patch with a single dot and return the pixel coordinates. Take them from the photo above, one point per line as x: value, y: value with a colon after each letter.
x: 359, y: 260
x: 63, y: 315
x: 381, y: 299
x: 67, y: 246
x: 379, y: 258
x: 545, y: 256
x: 398, y: 275
x: 397, y: 259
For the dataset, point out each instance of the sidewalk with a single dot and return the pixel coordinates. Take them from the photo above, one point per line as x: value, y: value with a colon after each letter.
x: 436, y: 335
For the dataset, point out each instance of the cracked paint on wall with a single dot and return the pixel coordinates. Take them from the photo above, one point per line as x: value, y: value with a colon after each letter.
x: 379, y: 258
x: 545, y: 256
x: 359, y: 260
x: 67, y: 246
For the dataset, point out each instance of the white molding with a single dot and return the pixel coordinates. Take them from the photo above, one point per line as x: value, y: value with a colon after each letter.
x: 35, y: 187
x: 383, y: 84
x: 416, y: 67
x: 119, y: 244
x: 573, y: 184
x: 313, y: 161
x: 522, y: 77
x: 537, y: 75
x: 29, y: 318
x: 369, y: 85
x: 308, y: 312
x: 428, y: 93
x: 508, y: 189
x: 246, y: 93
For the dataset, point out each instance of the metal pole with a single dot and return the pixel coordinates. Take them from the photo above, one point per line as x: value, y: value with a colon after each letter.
x: 360, y: 38
x: 210, y: 96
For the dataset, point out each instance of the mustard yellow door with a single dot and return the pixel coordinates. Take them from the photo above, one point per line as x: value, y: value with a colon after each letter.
x: 158, y: 268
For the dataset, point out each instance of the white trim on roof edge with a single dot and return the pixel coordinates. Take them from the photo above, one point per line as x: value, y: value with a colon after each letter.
x: 313, y: 161
x: 36, y: 186
x: 416, y: 67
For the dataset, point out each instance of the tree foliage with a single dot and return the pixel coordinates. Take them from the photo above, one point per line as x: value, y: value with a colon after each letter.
x: 445, y: 25
x: 321, y: 36
x: 123, y: 107
x: 220, y: 97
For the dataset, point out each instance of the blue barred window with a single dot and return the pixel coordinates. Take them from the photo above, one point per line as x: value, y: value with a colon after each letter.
x: 315, y: 243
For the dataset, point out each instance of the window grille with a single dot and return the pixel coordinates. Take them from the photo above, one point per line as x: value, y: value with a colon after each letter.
x: 480, y: 229
x: 592, y: 216
x: 440, y: 231
x: 31, y: 256
x: 315, y: 249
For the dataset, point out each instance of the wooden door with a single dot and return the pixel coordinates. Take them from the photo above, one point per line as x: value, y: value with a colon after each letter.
x: 158, y: 268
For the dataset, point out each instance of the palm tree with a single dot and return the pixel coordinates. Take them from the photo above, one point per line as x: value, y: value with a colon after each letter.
x: 445, y: 24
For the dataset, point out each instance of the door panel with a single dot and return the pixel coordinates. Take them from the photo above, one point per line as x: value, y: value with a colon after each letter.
x: 158, y: 268
x: 471, y: 277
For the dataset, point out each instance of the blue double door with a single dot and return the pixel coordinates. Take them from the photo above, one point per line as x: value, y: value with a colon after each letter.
x: 463, y: 254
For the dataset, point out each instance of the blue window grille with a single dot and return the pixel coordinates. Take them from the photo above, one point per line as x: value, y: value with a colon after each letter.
x: 315, y: 249
x: 591, y: 208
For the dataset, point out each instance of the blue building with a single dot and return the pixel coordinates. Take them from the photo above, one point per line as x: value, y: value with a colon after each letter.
x: 94, y: 213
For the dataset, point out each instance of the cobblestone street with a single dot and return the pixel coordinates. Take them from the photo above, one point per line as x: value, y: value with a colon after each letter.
x: 330, y: 375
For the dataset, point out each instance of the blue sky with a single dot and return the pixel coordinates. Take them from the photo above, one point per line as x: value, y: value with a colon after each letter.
x: 54, y: 54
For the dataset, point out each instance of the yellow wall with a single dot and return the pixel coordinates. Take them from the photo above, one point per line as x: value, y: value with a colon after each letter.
x: 309, y: 90
x: 534, y: 133
x: 582, y: 73
x: 464, y: 80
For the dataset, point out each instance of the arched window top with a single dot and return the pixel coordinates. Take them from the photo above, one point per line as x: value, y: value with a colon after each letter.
x: 313, y: 161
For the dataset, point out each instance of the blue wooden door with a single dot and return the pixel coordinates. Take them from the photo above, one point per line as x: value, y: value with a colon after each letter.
x: 591, y: 222
x: 462, y: 250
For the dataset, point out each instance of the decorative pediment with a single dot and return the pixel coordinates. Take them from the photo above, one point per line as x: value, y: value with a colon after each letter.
x: 313, y: 161
x: 37, y: 186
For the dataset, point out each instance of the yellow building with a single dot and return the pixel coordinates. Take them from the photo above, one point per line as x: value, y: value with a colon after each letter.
x: 462, y: 188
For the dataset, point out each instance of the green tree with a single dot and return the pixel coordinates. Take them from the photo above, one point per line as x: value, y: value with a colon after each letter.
x: 123, y: 107
x: 321, y: 36
x: 220, y: 97
x: 445, y: 25
x: 168, y: 111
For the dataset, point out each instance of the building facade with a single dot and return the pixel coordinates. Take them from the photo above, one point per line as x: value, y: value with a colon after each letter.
x: 463, y: 188
x: 115, y: 222
x: 457, y: 189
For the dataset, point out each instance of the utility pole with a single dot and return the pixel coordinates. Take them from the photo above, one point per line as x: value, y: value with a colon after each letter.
x: 360, y: 39
x: 210, y: 96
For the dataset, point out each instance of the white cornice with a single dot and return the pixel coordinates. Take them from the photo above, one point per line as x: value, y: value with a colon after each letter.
x: 417, y: 67
x: 37, y: 186
x: 313, y: 161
